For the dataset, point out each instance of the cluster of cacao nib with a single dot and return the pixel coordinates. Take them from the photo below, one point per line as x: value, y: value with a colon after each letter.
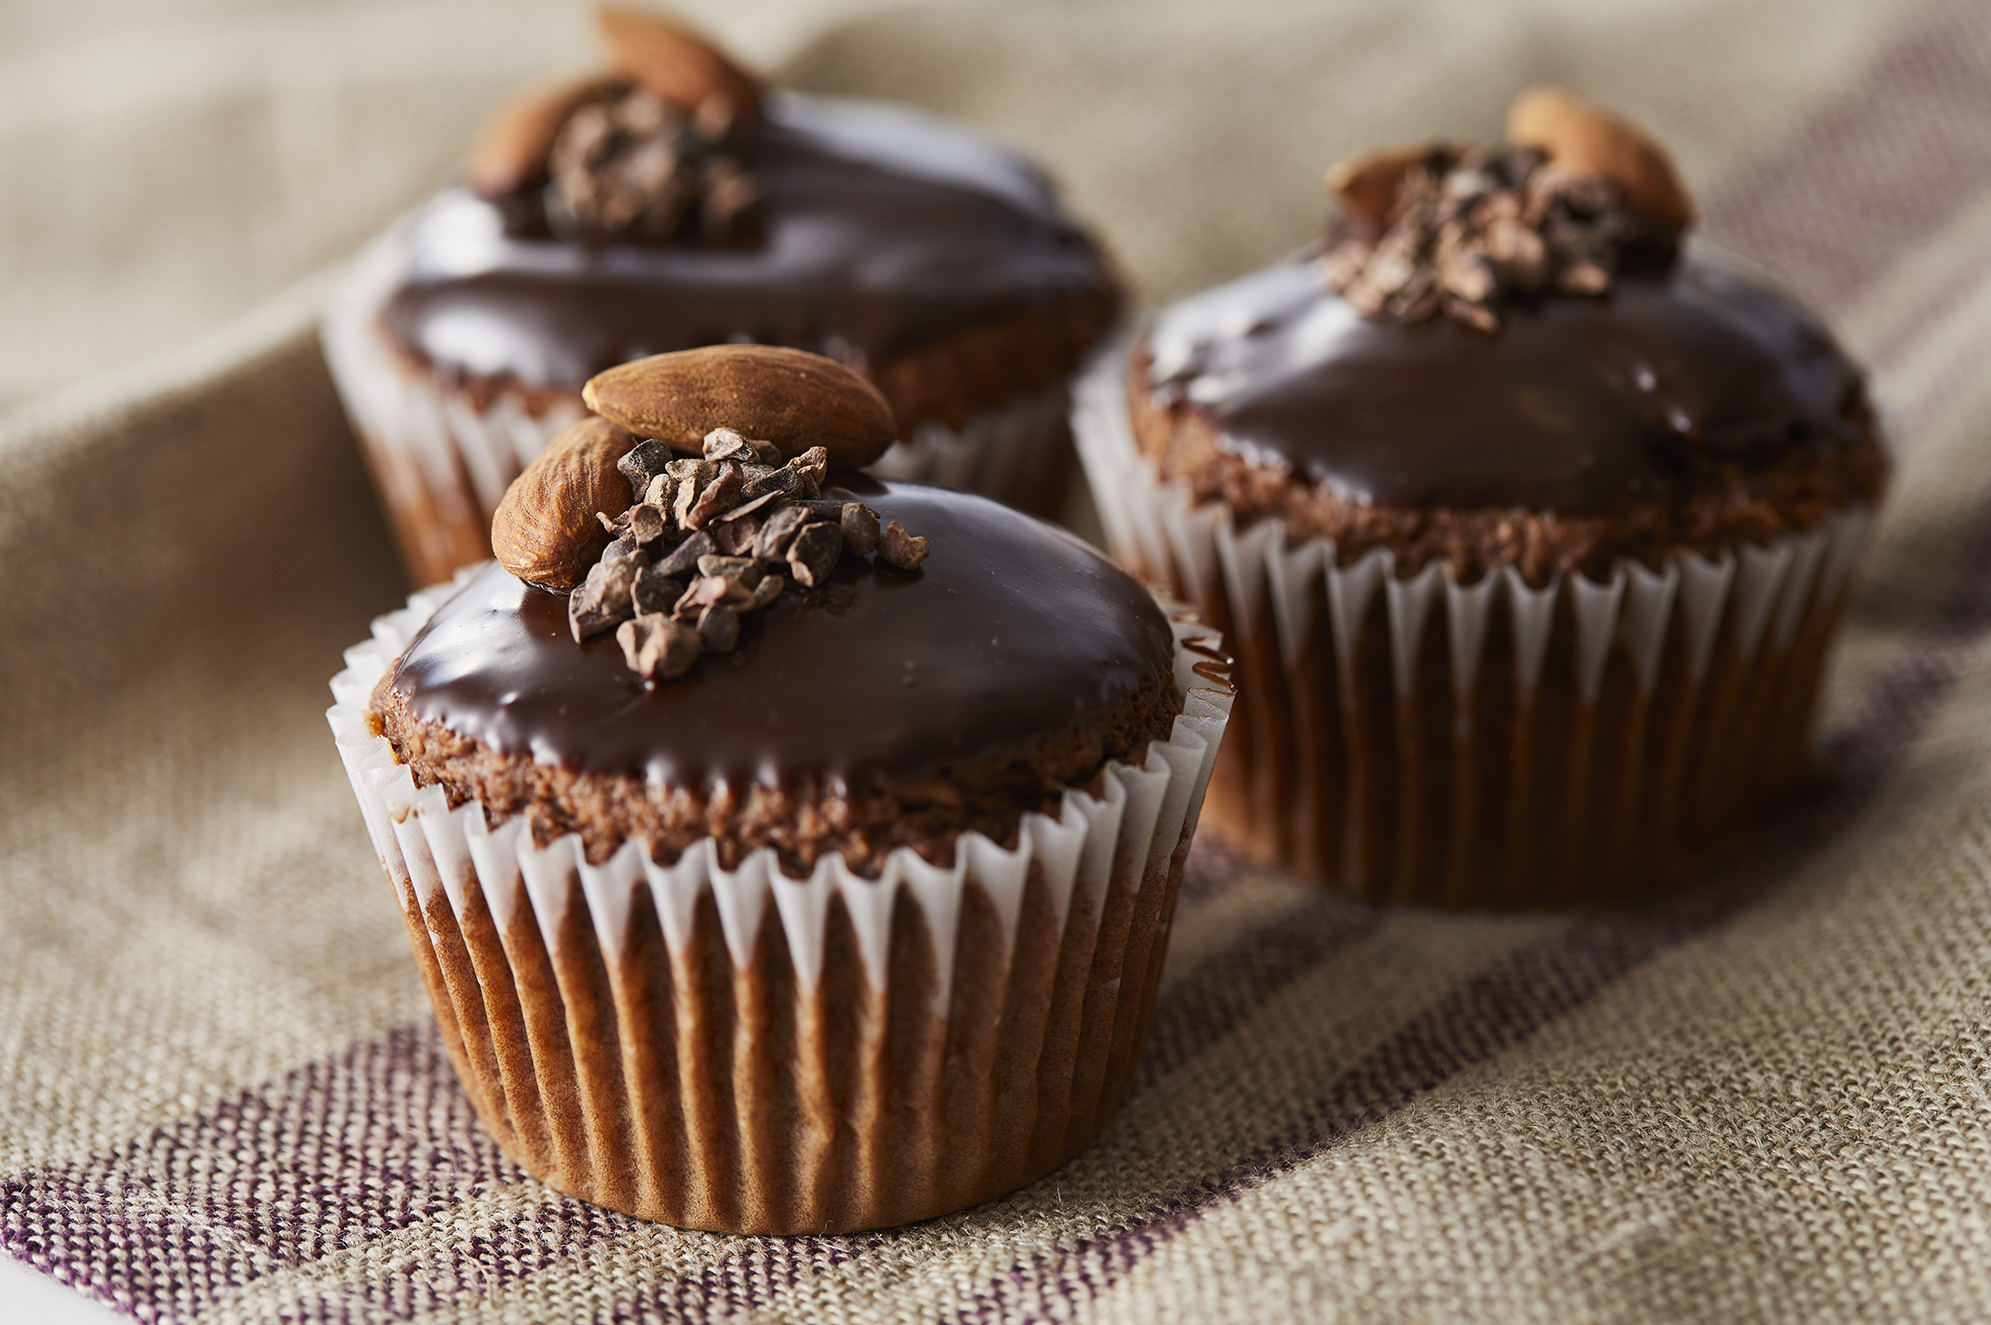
x: 709, y: 540
x: 630, y: 168
x: 1470, y: 226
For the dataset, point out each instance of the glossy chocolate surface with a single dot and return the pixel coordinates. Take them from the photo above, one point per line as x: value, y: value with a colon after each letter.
x: 1009, y: 633
x: 885, y: 229
x: 1572, y: 405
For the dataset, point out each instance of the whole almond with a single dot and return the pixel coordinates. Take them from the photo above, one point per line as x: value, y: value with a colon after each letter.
x: 1584, y: 138
x: 791, y: 398
x: 545, y: 529
x: 510, y: 149
x: 1366, y: 186
x: 679, y: 67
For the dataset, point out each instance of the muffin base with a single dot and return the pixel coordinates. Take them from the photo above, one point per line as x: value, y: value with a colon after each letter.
x: 441, y: 458
x: 1489, y: 743
x: 750, y: 1053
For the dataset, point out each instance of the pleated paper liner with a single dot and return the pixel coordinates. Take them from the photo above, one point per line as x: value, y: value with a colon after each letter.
x: 1495, y: 743
x: 743, y: 1051
x: 440, y: 463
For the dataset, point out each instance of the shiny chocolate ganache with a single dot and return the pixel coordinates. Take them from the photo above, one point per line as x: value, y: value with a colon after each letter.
x: 1679, y: 372
x: 1010, y: 633
x: 881, y: 230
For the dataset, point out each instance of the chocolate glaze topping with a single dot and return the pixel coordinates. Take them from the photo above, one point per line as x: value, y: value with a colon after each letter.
x: 1573, y: 404
x: 1009, y: 633
x: 884, y: 229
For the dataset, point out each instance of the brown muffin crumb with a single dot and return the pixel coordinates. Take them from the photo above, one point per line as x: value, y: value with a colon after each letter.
x: 1732, y: 504
x: 865, y: 819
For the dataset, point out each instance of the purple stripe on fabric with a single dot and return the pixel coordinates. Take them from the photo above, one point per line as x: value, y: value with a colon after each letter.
x: 1493, y: 1012
x: 1535, y: 987
x: 1916, y: 82
x: 1531, y: 989
x: 182, y: 1241
x: 480, y: 1264
x: 1886, y: 166
x: 336, y: 1153
x: 1191, y: 1016
x: 1505, y: 1005
x: 1490, y: 1013
x: 1215, y: 999
x: 382, y: 1137
x: 1502, y: 1007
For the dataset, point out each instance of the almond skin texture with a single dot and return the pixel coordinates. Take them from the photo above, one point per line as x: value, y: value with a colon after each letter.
x: 677, y: 66
x: 791, y: 398
x: 1584, y: 138
x: 510, y: 149
x: 545, y: 529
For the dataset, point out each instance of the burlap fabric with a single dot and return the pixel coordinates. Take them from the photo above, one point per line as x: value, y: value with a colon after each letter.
x: 221, y: 1097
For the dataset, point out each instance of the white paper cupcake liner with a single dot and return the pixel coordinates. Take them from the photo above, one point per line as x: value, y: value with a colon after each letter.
x: 1414, y: 737
x: 745, y: 1051
x: 441, y: 464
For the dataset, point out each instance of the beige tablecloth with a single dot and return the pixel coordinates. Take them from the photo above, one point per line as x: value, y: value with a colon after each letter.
x: 221, y: 1097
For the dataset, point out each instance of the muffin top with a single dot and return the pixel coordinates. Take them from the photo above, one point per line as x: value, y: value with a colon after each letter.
x: 1009, y: 631
x: 1506, y: 360
x: 965, y: 675
x: 629, y: 226
x: 1571, y: 405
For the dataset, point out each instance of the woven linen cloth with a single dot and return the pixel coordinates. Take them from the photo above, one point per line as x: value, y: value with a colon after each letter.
x: 1761, y: 1098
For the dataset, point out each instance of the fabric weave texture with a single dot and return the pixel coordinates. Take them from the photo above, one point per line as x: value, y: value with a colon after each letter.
x: 1766, y: 1097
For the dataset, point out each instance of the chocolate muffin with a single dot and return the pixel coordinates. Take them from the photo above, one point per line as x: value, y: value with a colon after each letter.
x: 674, y: 202
x: 847, y: 913
x: 1528, y: 524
